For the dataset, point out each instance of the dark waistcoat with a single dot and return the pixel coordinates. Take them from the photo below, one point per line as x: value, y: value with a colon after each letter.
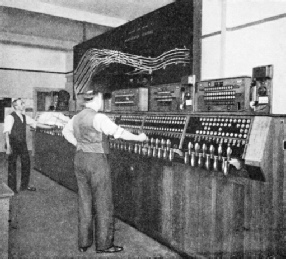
x: 18, y: 132
x: 88, y: 138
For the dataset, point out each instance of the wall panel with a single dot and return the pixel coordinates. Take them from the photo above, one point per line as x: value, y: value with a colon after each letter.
x: 21, y: 83
x: 255, y: 34
x: 259, y: 45
x: 243, y: 11
x: 211, y: 16
x: 31, y: 58
x: 210, y: 57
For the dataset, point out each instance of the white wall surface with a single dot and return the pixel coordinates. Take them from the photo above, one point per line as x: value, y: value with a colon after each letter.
x: 246, y: 11
x: 211, y: 16
x: 29, y: 67
x: 211, y: 57
x: 24, y: 68
x: 21, y: 84
x: 31, y: 58
x: 259, y: 40
x: 69, y: 61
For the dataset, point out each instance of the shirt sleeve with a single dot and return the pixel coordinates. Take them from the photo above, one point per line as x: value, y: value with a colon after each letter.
x: 68, y: 132
x: 31, y: 121
x: 63, y: 117
x: 8, y: 124
x: 102, y: 123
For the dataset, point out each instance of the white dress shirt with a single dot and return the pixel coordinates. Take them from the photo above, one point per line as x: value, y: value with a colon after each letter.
x: 53, y: 118
x: 101, y: 123
x: 9, y: 122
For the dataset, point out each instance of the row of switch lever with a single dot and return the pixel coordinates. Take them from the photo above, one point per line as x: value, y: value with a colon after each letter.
x: 215, y: 163
x: 163, y: 128
x: 217, y: 140
x: 210, y: 163
x: 145, y: 150
x: 192, y: 157
x: 150, y: 142
x: 196, y: 148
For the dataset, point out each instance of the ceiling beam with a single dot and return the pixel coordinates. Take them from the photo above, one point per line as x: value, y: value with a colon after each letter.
x: 73, y: 14
x: 36, y: 41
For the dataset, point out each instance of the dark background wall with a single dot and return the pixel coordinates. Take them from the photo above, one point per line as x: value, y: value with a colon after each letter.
x: 151, y: 35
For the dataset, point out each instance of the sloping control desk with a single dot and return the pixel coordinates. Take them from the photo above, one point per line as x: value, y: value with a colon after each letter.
x: 204, y: 185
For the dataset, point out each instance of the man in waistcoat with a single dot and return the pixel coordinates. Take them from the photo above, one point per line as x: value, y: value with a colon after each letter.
x: 88, y: 131
x: 16, y: 145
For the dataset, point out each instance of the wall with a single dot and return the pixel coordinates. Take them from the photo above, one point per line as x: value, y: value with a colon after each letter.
x: 22, y: 68
x: 36, y: 50
x: 240, y: 35
x: 44, y: 30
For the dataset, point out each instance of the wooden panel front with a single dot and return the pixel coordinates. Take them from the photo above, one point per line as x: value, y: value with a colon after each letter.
x: 54, y: 157
x: 197, y: 212
x: 202, y: 213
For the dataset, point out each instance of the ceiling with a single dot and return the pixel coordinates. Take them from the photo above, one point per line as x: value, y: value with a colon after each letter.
x: 31, y: 22
x: 111, y: 13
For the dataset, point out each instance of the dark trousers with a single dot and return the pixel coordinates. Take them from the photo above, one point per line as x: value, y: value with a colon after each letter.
x: 94, y: 197
x: 22, y: 151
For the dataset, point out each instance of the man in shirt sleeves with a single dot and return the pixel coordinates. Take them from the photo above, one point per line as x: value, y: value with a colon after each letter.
x: 16, y: 145
x: 88, y: 131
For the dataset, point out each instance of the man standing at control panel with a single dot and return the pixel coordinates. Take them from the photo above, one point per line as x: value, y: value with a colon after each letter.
x: 88, y: 131
x: 16, y: 145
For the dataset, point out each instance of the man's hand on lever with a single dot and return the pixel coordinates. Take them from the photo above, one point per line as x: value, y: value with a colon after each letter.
x: 142, y: 137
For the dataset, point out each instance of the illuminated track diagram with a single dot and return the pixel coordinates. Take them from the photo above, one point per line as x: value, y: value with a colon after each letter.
x: 95, y: 60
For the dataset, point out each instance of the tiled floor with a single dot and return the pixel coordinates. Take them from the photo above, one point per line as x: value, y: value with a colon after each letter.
x: 45, y: 226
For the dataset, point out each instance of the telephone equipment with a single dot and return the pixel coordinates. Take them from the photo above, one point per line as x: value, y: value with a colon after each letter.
x: 261, y: 90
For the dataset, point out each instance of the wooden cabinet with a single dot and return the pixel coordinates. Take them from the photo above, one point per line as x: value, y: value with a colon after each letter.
x: 54, y: 157
x: 202, y: 213
x: 199, y: 213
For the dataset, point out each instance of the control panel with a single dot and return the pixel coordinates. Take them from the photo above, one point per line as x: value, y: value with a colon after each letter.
x: 212, y: 141
x: 224, y: 95
x: 133, y: 99
x: 132, y: 123
x: 164, y: 135
x: 216, y: 142
x: 115, y: 117
x: 166, y: 97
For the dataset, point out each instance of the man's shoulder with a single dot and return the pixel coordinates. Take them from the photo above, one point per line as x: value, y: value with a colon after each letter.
x: 9, y: 117
x: 87, y: 110
x: 84, y: 114
x: 101, y: 115
x: 13, y: 113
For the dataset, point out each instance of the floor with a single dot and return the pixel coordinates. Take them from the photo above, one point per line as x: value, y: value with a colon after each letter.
x: 44, y: 225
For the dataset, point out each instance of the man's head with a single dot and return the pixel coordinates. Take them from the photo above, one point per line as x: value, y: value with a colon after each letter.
x: 18, y: 105
x: 93, y: 100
